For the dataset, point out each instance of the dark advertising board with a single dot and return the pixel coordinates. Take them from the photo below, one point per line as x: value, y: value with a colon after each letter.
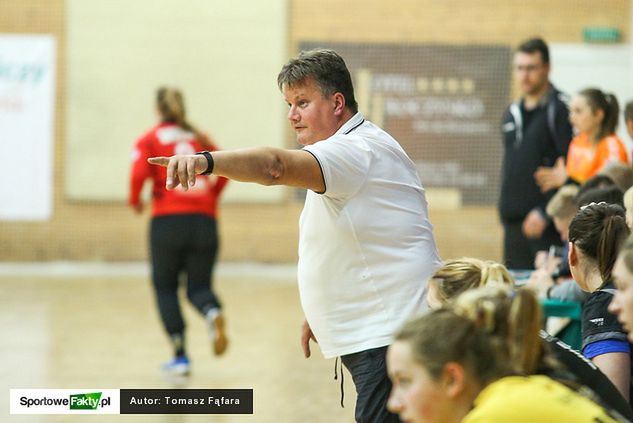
x: 443, y: 103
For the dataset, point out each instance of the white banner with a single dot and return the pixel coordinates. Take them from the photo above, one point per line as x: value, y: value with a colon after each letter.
x: 64, y: 401
x: 27, y: 94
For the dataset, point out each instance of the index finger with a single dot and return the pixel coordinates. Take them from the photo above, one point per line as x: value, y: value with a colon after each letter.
x: 161, y: 161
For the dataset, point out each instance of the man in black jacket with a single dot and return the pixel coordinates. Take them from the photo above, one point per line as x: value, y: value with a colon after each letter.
x: 536, y: 132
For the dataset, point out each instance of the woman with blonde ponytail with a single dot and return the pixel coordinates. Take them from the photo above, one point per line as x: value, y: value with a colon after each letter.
x: 476, y: 361
x: 461, y: 275
x: 183, y: 228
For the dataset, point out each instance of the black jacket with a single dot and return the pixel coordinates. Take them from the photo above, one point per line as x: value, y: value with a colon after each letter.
x: 531, y: 139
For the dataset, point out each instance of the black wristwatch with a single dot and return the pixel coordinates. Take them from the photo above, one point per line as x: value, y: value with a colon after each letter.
x: 210, y: 162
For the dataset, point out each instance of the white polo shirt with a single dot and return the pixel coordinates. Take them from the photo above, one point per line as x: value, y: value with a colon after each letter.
x: 366, y: 245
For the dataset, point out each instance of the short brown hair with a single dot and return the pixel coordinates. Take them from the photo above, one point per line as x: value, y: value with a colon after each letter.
x: 563, y: 204
x: 535, y: 45
x: 326, y: 68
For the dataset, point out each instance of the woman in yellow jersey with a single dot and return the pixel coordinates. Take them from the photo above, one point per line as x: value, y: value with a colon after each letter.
x: 594, y: 115
x: 460, y: 275
x: 475, y: 362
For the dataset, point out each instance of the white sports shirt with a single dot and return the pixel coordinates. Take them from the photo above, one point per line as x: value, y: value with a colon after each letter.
x: 366, y: 245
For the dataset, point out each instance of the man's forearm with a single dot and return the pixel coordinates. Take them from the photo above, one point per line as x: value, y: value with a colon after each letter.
x: 262, y: 165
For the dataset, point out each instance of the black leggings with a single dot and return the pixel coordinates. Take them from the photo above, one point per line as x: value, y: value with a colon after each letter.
x: 186, y: 243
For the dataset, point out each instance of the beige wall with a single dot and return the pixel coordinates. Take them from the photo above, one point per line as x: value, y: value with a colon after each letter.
x: 268, y: 232
x: 206, y: 48
x: 453, y: 21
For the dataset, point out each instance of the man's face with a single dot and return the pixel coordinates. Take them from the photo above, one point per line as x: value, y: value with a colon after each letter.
x: 530, y: 72
x: 311, y: 115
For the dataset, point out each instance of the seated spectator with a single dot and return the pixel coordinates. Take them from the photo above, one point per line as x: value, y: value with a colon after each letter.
x: 622, y: 302
x: 595, y: 235
x: 628, y: 118
x: 628, y: 206
x: 483, y: 370
x: 620, y: 173
x: 460, y: 275
x: 598, y: 181
x: 552, y: 279
x: 610, y: 195
x: 594, y: 115
x: 562, y: 209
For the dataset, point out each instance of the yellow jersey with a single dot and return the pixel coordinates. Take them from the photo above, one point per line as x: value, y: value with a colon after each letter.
x: 531, y: 399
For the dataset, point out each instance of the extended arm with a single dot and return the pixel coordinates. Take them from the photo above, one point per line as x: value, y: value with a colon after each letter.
x: 262, y: 165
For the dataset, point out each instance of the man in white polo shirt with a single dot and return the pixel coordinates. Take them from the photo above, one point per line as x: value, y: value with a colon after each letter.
x: 366, y: 246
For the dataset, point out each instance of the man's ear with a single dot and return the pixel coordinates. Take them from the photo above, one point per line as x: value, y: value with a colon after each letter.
x: 453, y: 379
x: 339, y: 103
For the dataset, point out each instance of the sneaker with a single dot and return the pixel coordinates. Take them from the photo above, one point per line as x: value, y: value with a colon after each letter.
x: 217, y: 333
x: 179, y: 366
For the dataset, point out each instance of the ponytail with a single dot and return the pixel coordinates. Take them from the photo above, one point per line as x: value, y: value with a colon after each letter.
x: 495, y: 274
x: 490, y: 331
x: 599, y: 231
x: 608, y: 103
x: 460, y: 275
x: 614, y: 234
x: 611, y: 116
x: 511, y: 321
x: 171, y: 107
x: 524, y: 323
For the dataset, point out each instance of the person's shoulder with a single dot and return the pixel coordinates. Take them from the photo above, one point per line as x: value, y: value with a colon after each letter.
x: 596, y: 317
x: 532, y: 398
x: 507, y: 113
x: 612, y: 141
x: 560, y: 97
x: 148, y: 136
x: 508, y: 399
x: 597, y: 301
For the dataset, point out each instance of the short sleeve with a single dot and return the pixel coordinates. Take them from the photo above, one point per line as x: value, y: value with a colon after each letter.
x: 345, y: 163
x: 598, y: 324
x: 606, y: 347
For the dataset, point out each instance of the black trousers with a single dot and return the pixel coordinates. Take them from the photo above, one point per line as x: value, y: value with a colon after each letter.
x: 187, y: 245
x: 369, y: 373
x: 519, y: 251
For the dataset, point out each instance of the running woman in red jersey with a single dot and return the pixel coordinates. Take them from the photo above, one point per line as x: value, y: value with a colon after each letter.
x: 183, y: 229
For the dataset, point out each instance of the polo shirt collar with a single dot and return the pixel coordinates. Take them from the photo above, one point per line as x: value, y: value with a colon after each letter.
x: 351, y: 124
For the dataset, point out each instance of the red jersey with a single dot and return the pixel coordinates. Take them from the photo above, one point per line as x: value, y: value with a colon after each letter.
x: 167, y: 139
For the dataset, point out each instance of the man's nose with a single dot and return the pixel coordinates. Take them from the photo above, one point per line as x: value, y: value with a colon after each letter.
x: 292, y: 114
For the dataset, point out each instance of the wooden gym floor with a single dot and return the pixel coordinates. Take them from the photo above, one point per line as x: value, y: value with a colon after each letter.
x: 101, y: 330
